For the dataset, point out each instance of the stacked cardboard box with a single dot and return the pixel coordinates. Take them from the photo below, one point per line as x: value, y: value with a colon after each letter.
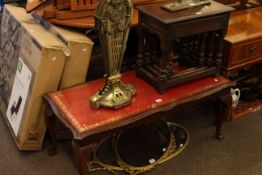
x: 76, y: 67
x: 35, y: 61
x: 79, y: 47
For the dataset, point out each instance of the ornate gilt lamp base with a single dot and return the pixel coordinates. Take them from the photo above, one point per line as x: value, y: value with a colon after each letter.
x: 114, y: 94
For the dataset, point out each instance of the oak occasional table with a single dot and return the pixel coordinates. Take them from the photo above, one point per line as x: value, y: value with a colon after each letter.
x: 88, y: 125
x: 193, y: 37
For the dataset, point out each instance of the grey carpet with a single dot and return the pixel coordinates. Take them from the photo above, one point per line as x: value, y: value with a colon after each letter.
x: 240, y: 153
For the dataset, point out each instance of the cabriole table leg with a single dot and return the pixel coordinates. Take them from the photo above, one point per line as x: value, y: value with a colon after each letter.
x: 225, y: 103
x: 50, y: 124
x: 83, y: 154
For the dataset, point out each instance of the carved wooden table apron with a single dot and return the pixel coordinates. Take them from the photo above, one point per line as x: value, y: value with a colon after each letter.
x: 88, y: 125
x: 204, y: 27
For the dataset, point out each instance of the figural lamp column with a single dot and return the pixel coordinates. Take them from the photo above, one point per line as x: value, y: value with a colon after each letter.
x: 112, y: 19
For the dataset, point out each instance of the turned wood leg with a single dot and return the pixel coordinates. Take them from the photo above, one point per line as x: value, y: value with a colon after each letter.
x: 141, y: 46
x: 225, y: 103
x: 210, y: 56
x: 83, y: 154
x: 202, y: 49
x: 164, y: 65
x: 219, y: 45
x: 50, y: 124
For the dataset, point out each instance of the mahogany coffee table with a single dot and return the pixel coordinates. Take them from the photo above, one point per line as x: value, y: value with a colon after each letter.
x: 89, y: 126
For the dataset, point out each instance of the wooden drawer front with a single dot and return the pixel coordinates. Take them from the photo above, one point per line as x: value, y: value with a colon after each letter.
x: 246, y: 51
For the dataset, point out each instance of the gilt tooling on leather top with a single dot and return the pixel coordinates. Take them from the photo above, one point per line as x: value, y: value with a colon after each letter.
x: 76, y: 112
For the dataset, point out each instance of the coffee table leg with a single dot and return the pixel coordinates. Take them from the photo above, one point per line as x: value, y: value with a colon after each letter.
x: 225, y: 103
x: 83, y: 154
x: 50, y: 124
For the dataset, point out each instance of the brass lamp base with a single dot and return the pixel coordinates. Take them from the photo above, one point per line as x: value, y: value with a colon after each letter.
x: 114, y: 94
x: 113, y: 21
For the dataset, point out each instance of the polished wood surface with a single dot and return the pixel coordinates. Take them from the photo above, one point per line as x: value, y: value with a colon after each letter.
x: 245, y: 25
x: 34, y: 4
x: 241, y: 4
x: 77, y: 13
x: 237, y: 4
x: 248, y: 50
x: 87, y: 22
x: 65, y: 14
x: 192, y: 38
x: 79, y: 5
x: 88, y: 125
x: 243, y: 41
x: 62, y: 4
x: 155, y: 11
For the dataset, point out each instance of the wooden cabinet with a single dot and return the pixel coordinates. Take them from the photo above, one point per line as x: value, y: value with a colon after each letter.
x: 243, y: 49
x: 243, y: 41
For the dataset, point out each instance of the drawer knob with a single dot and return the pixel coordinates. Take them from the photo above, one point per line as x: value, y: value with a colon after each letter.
x: 253, y: 49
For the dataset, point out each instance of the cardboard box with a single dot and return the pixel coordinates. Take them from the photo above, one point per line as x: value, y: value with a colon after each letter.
x: 76, y: 67
x: 31, y: 64
x: 79, y: 47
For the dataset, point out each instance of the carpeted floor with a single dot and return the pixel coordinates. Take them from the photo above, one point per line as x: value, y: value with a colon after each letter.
x: 240, y: 153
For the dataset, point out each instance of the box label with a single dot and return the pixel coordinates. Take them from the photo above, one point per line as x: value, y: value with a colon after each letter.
x: 16, y: 106
x: 34, y: 137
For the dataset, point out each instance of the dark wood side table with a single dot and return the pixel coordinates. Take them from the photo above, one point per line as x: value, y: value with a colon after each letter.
x: 194, y: 36
x: 243, y: 41
x: 88, y: 126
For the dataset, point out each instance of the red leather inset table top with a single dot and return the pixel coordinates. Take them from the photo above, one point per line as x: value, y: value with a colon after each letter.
x: 72, y: 105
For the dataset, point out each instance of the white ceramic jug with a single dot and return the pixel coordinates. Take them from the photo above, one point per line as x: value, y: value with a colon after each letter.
x: 235, y: 94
